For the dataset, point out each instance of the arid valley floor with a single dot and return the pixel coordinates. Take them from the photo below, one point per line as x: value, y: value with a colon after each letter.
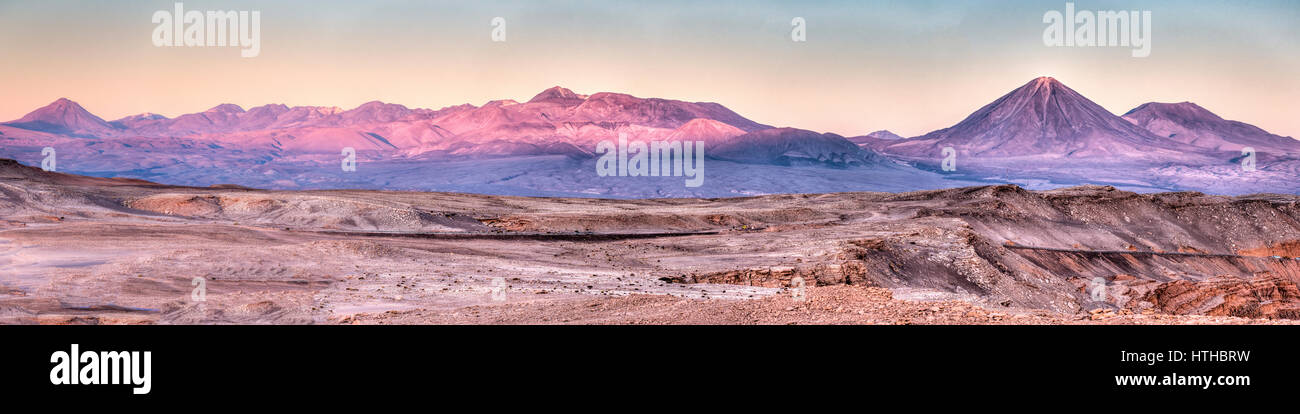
x: 78, y: 249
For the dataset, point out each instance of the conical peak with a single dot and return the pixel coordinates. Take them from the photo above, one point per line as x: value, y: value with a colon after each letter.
x: 1044, y: 83
x: 556, y: 93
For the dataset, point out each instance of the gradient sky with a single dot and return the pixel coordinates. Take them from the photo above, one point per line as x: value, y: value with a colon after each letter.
x: 910, y: 66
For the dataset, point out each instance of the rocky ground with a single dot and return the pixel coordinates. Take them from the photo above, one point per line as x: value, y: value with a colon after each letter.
x: 821, y: 305
x: 89, y: 250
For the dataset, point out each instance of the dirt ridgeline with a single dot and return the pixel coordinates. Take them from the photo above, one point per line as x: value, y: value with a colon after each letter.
x: 320, y: 211
x: 93, y: 250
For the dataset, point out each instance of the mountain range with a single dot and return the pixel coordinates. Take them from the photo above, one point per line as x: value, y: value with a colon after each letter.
x: 1043, y: 118
x: 1190, y: 124
x: 1042, y: 134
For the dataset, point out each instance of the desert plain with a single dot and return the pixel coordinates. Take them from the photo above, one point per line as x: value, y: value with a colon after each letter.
x: 86, y: 250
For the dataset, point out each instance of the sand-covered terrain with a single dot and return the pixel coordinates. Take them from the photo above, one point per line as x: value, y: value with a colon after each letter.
x: 91, y: 250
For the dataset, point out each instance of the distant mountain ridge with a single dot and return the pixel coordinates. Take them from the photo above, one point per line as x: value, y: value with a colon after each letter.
x: 556, y: 121
x: 1046, y: 134
x: 793, y: 147
x: 64, y: 116
x: 1041, y: 134
x: 1042, y: 118
x: 556, y: 115
x: 1189, y: 123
